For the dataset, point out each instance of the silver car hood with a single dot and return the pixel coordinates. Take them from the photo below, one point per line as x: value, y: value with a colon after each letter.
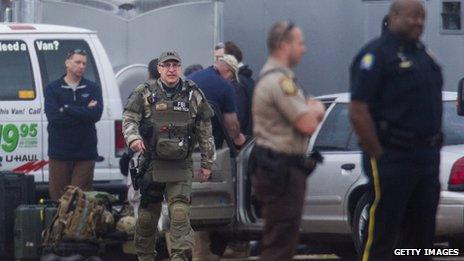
x: 455, y: 149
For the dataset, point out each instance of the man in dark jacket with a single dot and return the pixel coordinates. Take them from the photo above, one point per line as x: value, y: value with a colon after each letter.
x: 73, y: 105
x: 243, y: 88
x: 214, y: 81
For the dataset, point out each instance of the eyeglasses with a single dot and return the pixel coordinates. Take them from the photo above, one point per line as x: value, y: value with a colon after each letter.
x: 170, y: 65
x: 76, y: 51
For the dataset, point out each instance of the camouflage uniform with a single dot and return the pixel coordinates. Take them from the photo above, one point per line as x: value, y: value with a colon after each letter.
x: 150, y: 102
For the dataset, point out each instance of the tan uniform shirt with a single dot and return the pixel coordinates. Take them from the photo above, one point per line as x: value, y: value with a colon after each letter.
x: 277, y: 103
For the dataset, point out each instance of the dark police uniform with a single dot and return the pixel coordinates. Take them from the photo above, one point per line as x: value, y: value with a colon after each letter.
x: 402, y: 85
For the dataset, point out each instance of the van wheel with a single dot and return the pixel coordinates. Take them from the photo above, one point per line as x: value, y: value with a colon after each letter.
x: 359, y: 223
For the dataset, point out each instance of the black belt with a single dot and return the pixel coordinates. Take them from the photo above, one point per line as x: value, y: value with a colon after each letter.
x: 434, y: 141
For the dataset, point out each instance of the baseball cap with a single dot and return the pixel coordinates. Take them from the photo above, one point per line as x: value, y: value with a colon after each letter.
x: 231, y: 62
x: 169, y: 55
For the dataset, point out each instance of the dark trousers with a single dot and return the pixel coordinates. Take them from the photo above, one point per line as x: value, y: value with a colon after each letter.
x: 282, y: 204
x: 404, y: 194
x: 67, y: 172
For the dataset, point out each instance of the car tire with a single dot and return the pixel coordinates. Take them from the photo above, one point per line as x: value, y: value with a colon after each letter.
x: 456, y: 243
x: 359, y: 223
x: 346, y: 251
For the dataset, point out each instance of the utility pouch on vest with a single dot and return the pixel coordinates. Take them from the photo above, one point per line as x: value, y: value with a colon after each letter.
x: 169, y: 149
x: 175, y: 146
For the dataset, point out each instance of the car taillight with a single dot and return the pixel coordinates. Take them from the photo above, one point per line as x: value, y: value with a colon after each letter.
x: 119, y: 146
x: 456, y: 179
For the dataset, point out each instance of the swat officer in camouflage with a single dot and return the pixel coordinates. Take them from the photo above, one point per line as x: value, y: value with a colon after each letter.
x: 177, y: 115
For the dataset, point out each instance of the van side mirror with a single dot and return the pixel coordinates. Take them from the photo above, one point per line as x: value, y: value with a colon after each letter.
x: 460, y: 98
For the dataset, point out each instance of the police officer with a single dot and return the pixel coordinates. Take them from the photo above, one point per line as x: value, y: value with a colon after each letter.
x: 283, y: 121
x: 396, y: 111
x: 178, y: 114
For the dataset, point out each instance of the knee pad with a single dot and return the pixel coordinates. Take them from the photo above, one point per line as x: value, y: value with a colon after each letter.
x: 179, y: 212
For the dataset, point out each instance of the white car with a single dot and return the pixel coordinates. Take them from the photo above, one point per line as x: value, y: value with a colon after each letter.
x: 336, y: 202
x: 335, y: 208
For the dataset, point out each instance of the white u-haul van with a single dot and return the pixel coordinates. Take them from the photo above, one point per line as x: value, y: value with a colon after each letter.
x: 31, y: 56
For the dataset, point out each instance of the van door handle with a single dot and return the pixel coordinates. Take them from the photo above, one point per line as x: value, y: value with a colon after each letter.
x: 348, y: 166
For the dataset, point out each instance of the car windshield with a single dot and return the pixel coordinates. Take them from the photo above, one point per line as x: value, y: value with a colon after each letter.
x: 453, y: 124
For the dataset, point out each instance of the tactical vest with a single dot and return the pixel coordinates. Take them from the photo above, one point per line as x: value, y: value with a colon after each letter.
x: 172, y: 121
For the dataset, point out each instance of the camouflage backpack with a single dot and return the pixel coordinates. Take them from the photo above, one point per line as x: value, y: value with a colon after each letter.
x: 77, y: 218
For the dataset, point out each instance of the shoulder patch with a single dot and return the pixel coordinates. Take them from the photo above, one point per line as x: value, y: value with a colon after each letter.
x: 288, y: 86
x: 367, y: 61
x: 140, y: 88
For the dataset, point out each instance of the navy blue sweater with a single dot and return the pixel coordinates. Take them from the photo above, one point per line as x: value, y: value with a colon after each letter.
x: 219, y: 93
x: 71, y: 123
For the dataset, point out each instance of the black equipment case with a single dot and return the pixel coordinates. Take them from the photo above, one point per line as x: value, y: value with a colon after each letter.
x: 29, y: 223
x: 15, y: 189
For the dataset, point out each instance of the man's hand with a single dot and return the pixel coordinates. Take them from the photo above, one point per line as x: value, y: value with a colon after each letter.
x: 364, y: 127
x: 137, y: 146
x: 239, y: 140
x: 204, y: 174
x: 92, y: 104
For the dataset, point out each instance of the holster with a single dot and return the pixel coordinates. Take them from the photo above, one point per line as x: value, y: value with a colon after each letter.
x: 309, y: 162
x: 276, y: 164
x: 151, y: 192
x: 134, y: 175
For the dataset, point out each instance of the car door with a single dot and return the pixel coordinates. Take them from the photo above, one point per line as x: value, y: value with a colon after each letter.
x: 20, y: 108
x: 213, y: 202
x: 327, y: 187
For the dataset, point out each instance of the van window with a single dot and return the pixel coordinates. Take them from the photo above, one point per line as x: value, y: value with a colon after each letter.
x: 52, y: 55
x: 451, y: 22
x: 16, y: 78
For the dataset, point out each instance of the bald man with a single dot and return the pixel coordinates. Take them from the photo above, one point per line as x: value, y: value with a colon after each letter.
x: 396, y: 111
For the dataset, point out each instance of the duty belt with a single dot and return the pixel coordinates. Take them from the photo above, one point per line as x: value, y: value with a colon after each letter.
x: 269, y: 159
x: 397, y: 138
